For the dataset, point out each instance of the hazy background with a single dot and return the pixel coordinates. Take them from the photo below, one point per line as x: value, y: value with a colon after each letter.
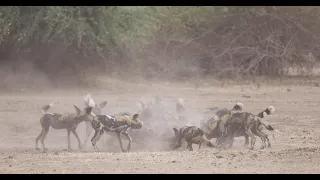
x: 54, y: 47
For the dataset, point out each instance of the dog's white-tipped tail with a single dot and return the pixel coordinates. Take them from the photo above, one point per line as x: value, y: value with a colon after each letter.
x: 271, y: 109
x: 45, y: 108
x: 180, y: 106
x: 140, y: 105
x: 88, y: 101
x: 181, y: 101
x: 237, y: 107
x: 240, y: 105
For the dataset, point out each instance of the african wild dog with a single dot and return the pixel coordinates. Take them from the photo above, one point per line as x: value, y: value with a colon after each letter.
x: 192, y: 135
x: 244, y: 123
x: 213, y: 128
x: 120, y: 124
x: 97, y: 110
x: 258, y: 126
x: 146, y: 114
x: 145, y: 110
x: 221, y: 127
x: 69, y: 122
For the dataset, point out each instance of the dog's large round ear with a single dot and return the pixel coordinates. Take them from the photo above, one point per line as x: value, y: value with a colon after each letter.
x: 88, y: 110
x: 238, y: 107
x: 77, y: 109
x: 175, y: 131
x: 135, y: 116
x: 103, y: 104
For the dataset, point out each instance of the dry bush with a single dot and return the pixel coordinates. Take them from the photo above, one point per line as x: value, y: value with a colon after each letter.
x: 259, y: 42
x: 156, y: 43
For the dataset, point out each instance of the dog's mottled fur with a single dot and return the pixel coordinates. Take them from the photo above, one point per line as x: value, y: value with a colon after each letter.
x: 69, y: 122
x: 192, y: 135
x: 120, y: 124
x: 234, y: 124
x: 244, y: 123
x: 258, y: 126
x: 97, y: 110
x: 212, y: 125
x: 268, y: 111
x: 218, y: 127
x: 219, y: 113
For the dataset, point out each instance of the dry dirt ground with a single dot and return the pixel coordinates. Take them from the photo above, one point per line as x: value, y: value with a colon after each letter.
x: 294, y: 150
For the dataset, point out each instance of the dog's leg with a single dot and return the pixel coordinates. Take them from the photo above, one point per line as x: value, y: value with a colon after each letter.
x: 253, y: 139
x: 46, y: 130
x: 95, y: 139
x: 199, y: 145
x: 120, y: 142
x: 246, y: 140
x: 219, y: 142
x: 268, y: 141
x: 255, y: 130
x: 207, y: 141
x: 38, y: 138
x: 78, y: 139
x: 260, y: 128
x: 125, y: 133
x: 264, y: 138
x: 230, y: 140
x: 129, y: 139
x: 176, y: 146
x: 189, y: 146
x: 69, y: 143
x: 225, y: 139
x: 226, y: 142
x: 232, y: 136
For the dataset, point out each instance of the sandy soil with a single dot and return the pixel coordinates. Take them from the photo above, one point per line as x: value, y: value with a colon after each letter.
x: 294, y: 150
